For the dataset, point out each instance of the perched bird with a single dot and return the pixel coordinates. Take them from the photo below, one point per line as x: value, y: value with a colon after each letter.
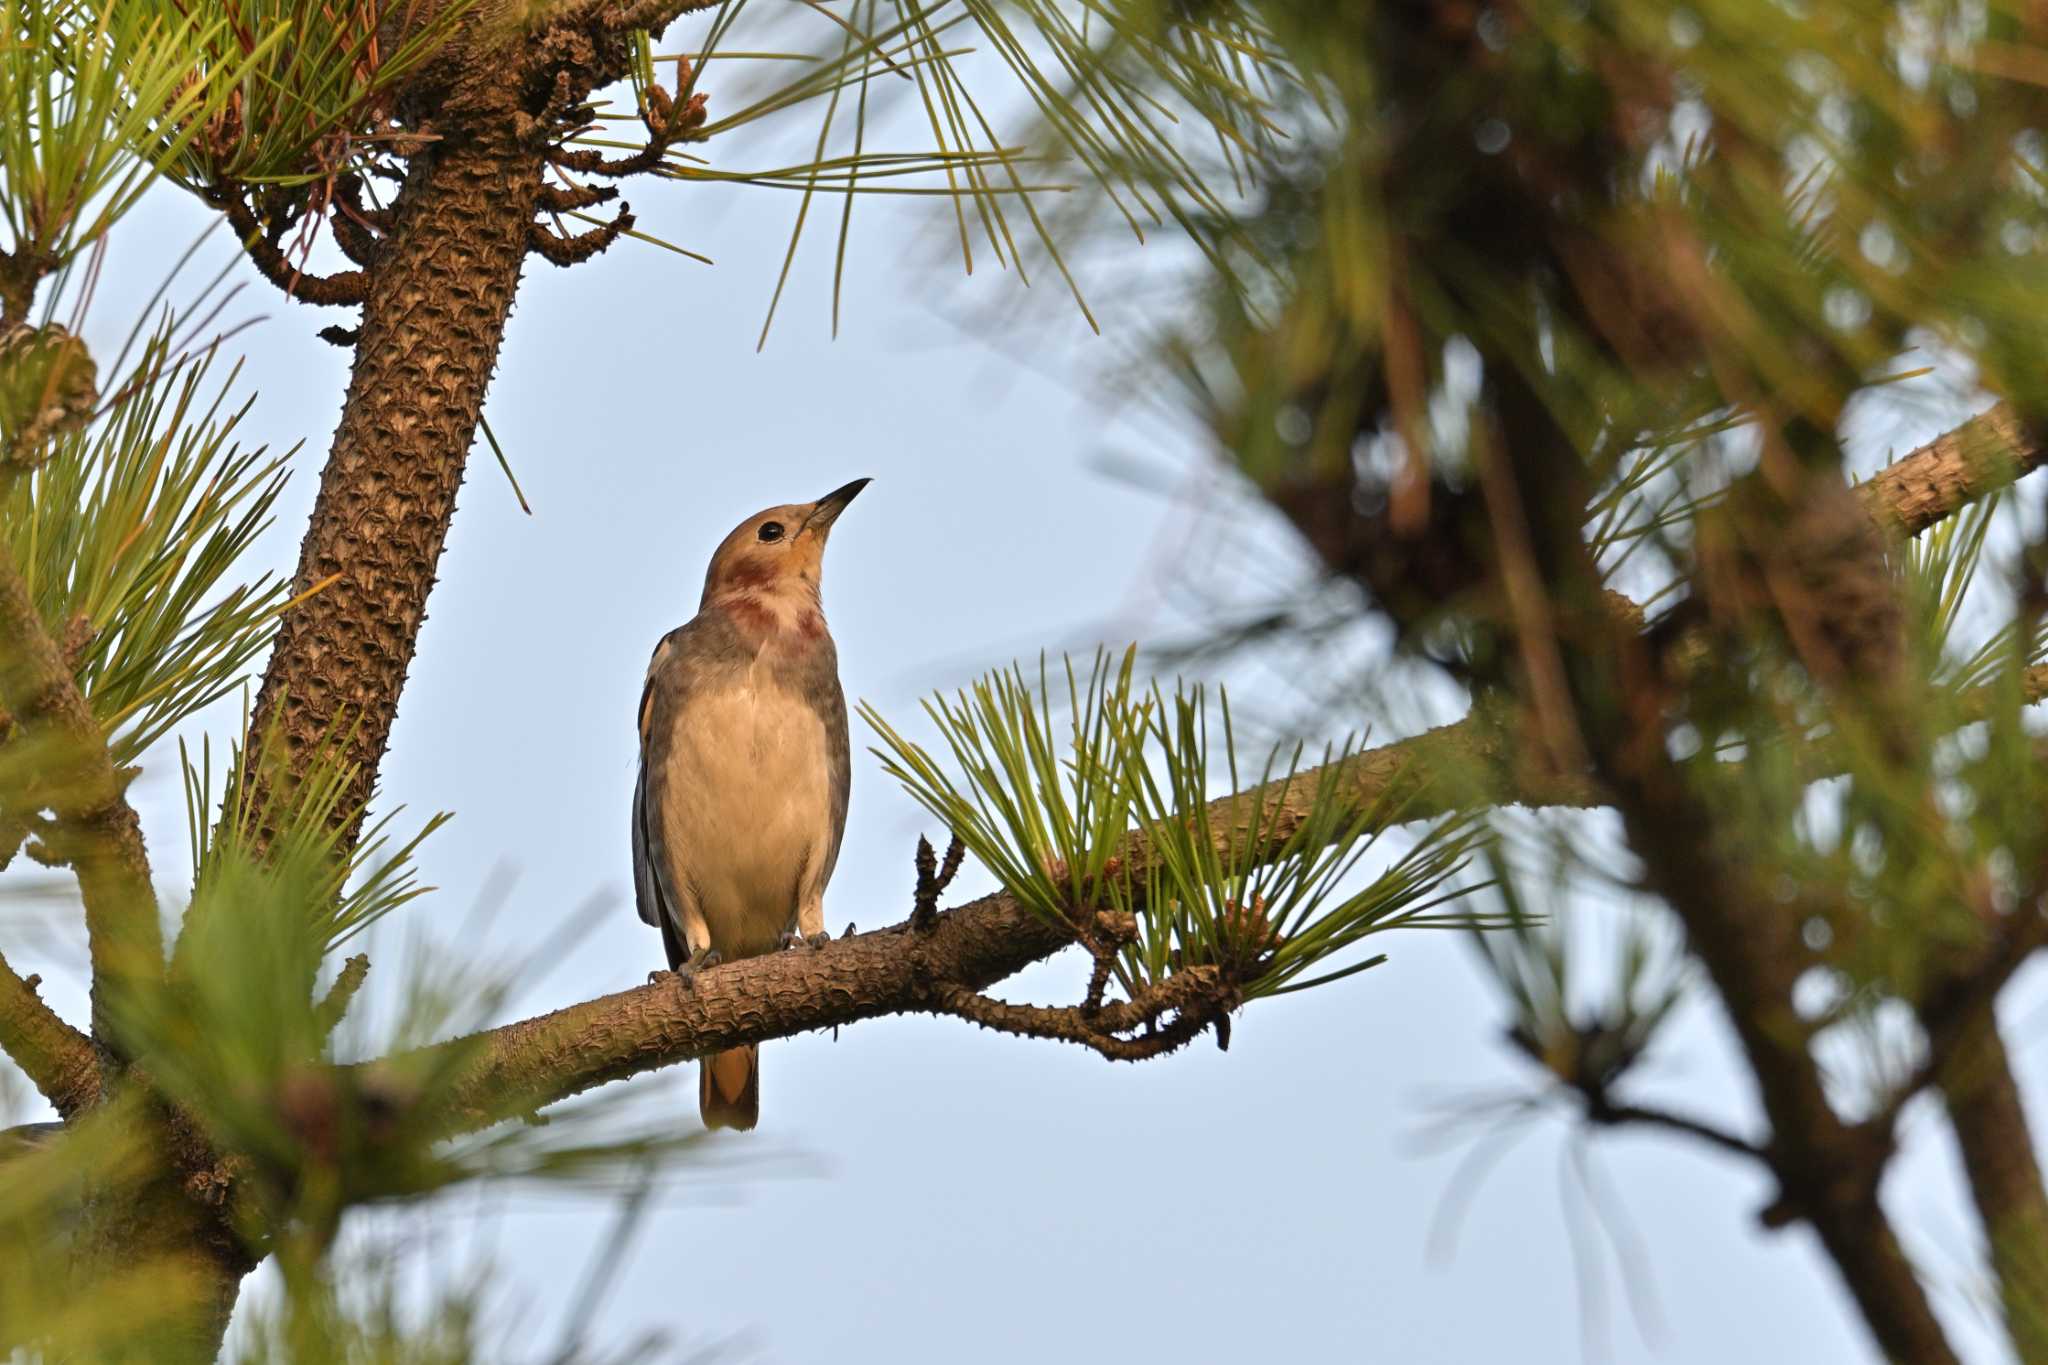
x: 744, y: 769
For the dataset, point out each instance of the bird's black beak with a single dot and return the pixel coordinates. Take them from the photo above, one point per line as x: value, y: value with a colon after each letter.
x: 826, y: 510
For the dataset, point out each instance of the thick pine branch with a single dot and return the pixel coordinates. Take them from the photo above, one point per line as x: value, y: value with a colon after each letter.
x: 519, y: 1067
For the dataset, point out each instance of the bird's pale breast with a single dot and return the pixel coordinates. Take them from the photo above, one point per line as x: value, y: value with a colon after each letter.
x: 749, y: 803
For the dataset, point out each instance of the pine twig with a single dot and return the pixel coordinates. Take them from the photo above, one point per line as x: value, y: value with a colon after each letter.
x: 346, y: 289
x: 333, y: 1006
x: 565, y: 250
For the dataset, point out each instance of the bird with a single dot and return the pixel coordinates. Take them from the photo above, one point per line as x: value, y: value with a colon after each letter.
x: 740, y: 802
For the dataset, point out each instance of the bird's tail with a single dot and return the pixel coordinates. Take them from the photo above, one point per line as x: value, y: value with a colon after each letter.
x: 729, y: 1087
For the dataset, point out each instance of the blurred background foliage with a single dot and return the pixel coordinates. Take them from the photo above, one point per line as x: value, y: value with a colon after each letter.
x: 1669, y: 247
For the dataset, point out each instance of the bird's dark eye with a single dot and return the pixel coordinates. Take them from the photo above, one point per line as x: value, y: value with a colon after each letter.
x: 771, y: 530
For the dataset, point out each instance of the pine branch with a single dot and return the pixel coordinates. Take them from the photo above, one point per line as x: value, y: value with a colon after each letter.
x: 519, y: 1067
x: 1607, y: 1115
x: 56, y: 1057
x: 93, y: 830
x: 668, y: 121
x: 334, y: 1005
x: 430, y: 333
x: 2001, y: 1164
x: 342, y: 290
x: 1966, y: 1059
x: 623, y: 16
x: 1958, y: 467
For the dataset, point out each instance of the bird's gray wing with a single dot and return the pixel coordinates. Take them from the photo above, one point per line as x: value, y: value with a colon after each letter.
x: 649, y: 881
x: 838, y: 754
x: 651, y: 863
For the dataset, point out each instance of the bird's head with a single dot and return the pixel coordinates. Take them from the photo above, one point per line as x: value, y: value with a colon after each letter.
x: 771, y: 561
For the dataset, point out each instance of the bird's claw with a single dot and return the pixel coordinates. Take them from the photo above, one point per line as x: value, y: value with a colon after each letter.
x: 819, y: 939
x: 793, y: 938
x: 702, y: 960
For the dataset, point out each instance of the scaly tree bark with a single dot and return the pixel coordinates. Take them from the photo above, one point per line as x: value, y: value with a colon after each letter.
x: 436, y: 291
x: 434, y: 309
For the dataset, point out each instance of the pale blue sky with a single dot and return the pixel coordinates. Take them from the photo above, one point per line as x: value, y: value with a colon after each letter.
x: 963, y: 1194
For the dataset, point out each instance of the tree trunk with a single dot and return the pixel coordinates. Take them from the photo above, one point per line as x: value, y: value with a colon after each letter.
x: 438, y: 298
x: 432, y: 325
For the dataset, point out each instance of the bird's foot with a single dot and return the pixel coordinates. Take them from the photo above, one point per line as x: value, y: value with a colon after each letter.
x: 702, y: 960
x: 819, y: 939
x: 792, y: 939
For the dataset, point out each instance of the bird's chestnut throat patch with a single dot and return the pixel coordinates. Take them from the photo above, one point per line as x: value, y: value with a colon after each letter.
x: 770, y: 616
x: 748, y: 576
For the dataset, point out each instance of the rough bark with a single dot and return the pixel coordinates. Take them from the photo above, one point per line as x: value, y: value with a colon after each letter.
x: 433, y: 321
x: 890, y: 971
